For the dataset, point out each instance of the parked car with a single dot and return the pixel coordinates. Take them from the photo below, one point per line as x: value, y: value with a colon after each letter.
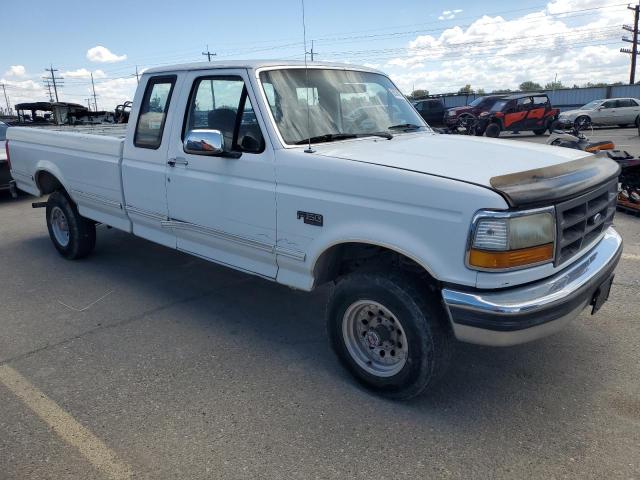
x: 422, y: 237
x: 457, y: 115
x: 6, y: 182
x: 432, y: 110
x: 615, y: 111
x: 519, y: 112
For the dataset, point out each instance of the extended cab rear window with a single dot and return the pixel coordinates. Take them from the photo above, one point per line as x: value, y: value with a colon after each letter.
x: 153, y: 112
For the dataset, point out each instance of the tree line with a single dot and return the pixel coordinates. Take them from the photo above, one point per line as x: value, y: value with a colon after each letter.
x: 526, y: 86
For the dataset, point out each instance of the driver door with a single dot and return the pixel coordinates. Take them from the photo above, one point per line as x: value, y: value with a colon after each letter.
x: 220, y: 207
x: 606, y: 113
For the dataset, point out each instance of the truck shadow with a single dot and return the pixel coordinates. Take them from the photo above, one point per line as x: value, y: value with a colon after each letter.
x: 259, y: 317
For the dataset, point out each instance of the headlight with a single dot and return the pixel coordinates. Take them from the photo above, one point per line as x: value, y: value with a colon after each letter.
x: 509, y: 240
x: 450, y: 113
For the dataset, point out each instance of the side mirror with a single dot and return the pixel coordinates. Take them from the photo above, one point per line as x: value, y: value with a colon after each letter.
x: 204, y: 142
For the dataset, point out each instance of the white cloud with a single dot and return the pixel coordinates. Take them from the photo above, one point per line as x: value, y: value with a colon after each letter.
x: 20, y: 91
x: 115, y: 91
x: 449, y: 14
x: 84, y: 73
x: 494, y: 52
x: 102, y: 54
x: 16, y: 71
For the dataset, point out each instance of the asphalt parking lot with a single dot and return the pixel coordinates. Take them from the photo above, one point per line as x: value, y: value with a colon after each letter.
x: 142, y: 362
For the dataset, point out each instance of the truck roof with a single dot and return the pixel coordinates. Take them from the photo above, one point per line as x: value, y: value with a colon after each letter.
x: 253, y: 65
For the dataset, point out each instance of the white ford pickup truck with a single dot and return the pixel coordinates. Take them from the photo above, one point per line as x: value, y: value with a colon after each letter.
x: 327, y: 174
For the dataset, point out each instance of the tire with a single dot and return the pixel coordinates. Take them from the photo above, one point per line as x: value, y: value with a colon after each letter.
x: 623, y: 125
x: 581, y: 122
x: 492, y: 130
x: 73, y: 235
x: 392, y: 299
x: 637, y: 122
x: 540, y: 131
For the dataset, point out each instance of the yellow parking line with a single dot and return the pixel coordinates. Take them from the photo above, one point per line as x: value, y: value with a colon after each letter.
x: 630, y: 256
x: 90, y: 446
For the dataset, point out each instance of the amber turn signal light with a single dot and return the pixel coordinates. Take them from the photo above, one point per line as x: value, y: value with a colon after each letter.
x: 512, y: 258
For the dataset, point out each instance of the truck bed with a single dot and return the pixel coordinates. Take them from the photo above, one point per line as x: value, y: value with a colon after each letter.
x: 87, y: 164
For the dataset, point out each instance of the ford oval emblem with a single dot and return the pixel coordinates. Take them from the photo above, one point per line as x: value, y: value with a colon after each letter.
x: 596, y: 218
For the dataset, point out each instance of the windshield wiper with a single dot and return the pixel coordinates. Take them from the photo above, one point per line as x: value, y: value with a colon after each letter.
x: 332, y: 137
x: 405, y: 126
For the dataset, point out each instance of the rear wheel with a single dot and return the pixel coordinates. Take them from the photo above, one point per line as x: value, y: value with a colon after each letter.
x: 73, y: 235
x: 540, y: 131
x: 388, y: 333
x: 492, y: 130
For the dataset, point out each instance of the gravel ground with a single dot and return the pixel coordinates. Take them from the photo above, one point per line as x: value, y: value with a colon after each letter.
x: 144, y: 362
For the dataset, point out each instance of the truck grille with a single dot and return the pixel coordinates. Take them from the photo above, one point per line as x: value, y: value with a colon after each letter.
x: 581, y: 220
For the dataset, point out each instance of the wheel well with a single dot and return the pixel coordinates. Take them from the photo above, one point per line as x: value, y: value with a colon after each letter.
x: 344, y: 258
x: 47, y: 182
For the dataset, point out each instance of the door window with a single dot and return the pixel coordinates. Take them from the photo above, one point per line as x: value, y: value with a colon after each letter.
x: 610, y: 104
x: 153, y: 112
x: 222, y: 103
x: 540, y: 101
x: 625, y: 102
x: 524, y: 104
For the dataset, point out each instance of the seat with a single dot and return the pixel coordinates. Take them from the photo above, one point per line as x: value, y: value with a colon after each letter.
x: 223, y: 119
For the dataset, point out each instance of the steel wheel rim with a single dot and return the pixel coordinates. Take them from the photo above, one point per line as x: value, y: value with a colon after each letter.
x: 60, y: 226
x: 374, y: 338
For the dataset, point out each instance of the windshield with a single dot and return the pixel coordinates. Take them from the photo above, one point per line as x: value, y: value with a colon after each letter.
x: 339, y: 104
x: 3, y: 131
x: 477, y: 101
x: 498, y: 105
x: 591, y: 105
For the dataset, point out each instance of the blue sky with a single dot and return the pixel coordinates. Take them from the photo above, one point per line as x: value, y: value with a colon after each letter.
x: 436, y: 45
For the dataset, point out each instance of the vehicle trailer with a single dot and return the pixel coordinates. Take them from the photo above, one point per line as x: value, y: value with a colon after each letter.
x: 328, y: 175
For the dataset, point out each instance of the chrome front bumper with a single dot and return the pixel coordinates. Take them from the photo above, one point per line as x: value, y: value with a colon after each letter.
x: 522, y: 314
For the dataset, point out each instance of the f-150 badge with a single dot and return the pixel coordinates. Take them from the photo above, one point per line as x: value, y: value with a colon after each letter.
x: 311, y: 218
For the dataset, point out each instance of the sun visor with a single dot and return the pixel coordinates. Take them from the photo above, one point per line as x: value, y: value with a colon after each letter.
x: 544, y: 186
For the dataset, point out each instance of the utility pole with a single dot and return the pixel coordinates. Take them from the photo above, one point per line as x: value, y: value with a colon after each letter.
x: 88, y: 103
x: 6, y: 99
x: 137, y: 75
x: 47, y: 84
x: 312, y: 53
x: 633, y: 41
x: 52, y: 71
x: 209, y: 54
x: 95, y: 102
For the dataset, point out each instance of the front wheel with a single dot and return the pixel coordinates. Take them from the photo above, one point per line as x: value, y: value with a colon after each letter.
x: 581, y: 122
x: 492, y: 130
x: 540, y: 131
x: 388, y: 333
x: 73, y: 235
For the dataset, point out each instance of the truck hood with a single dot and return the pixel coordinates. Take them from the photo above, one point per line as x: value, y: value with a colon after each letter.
x: 499, y: 164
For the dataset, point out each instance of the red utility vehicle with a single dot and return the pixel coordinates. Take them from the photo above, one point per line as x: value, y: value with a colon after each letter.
x: 519, y: 112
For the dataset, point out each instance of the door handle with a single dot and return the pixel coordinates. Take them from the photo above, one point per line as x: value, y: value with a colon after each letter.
x: 172, y: 162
